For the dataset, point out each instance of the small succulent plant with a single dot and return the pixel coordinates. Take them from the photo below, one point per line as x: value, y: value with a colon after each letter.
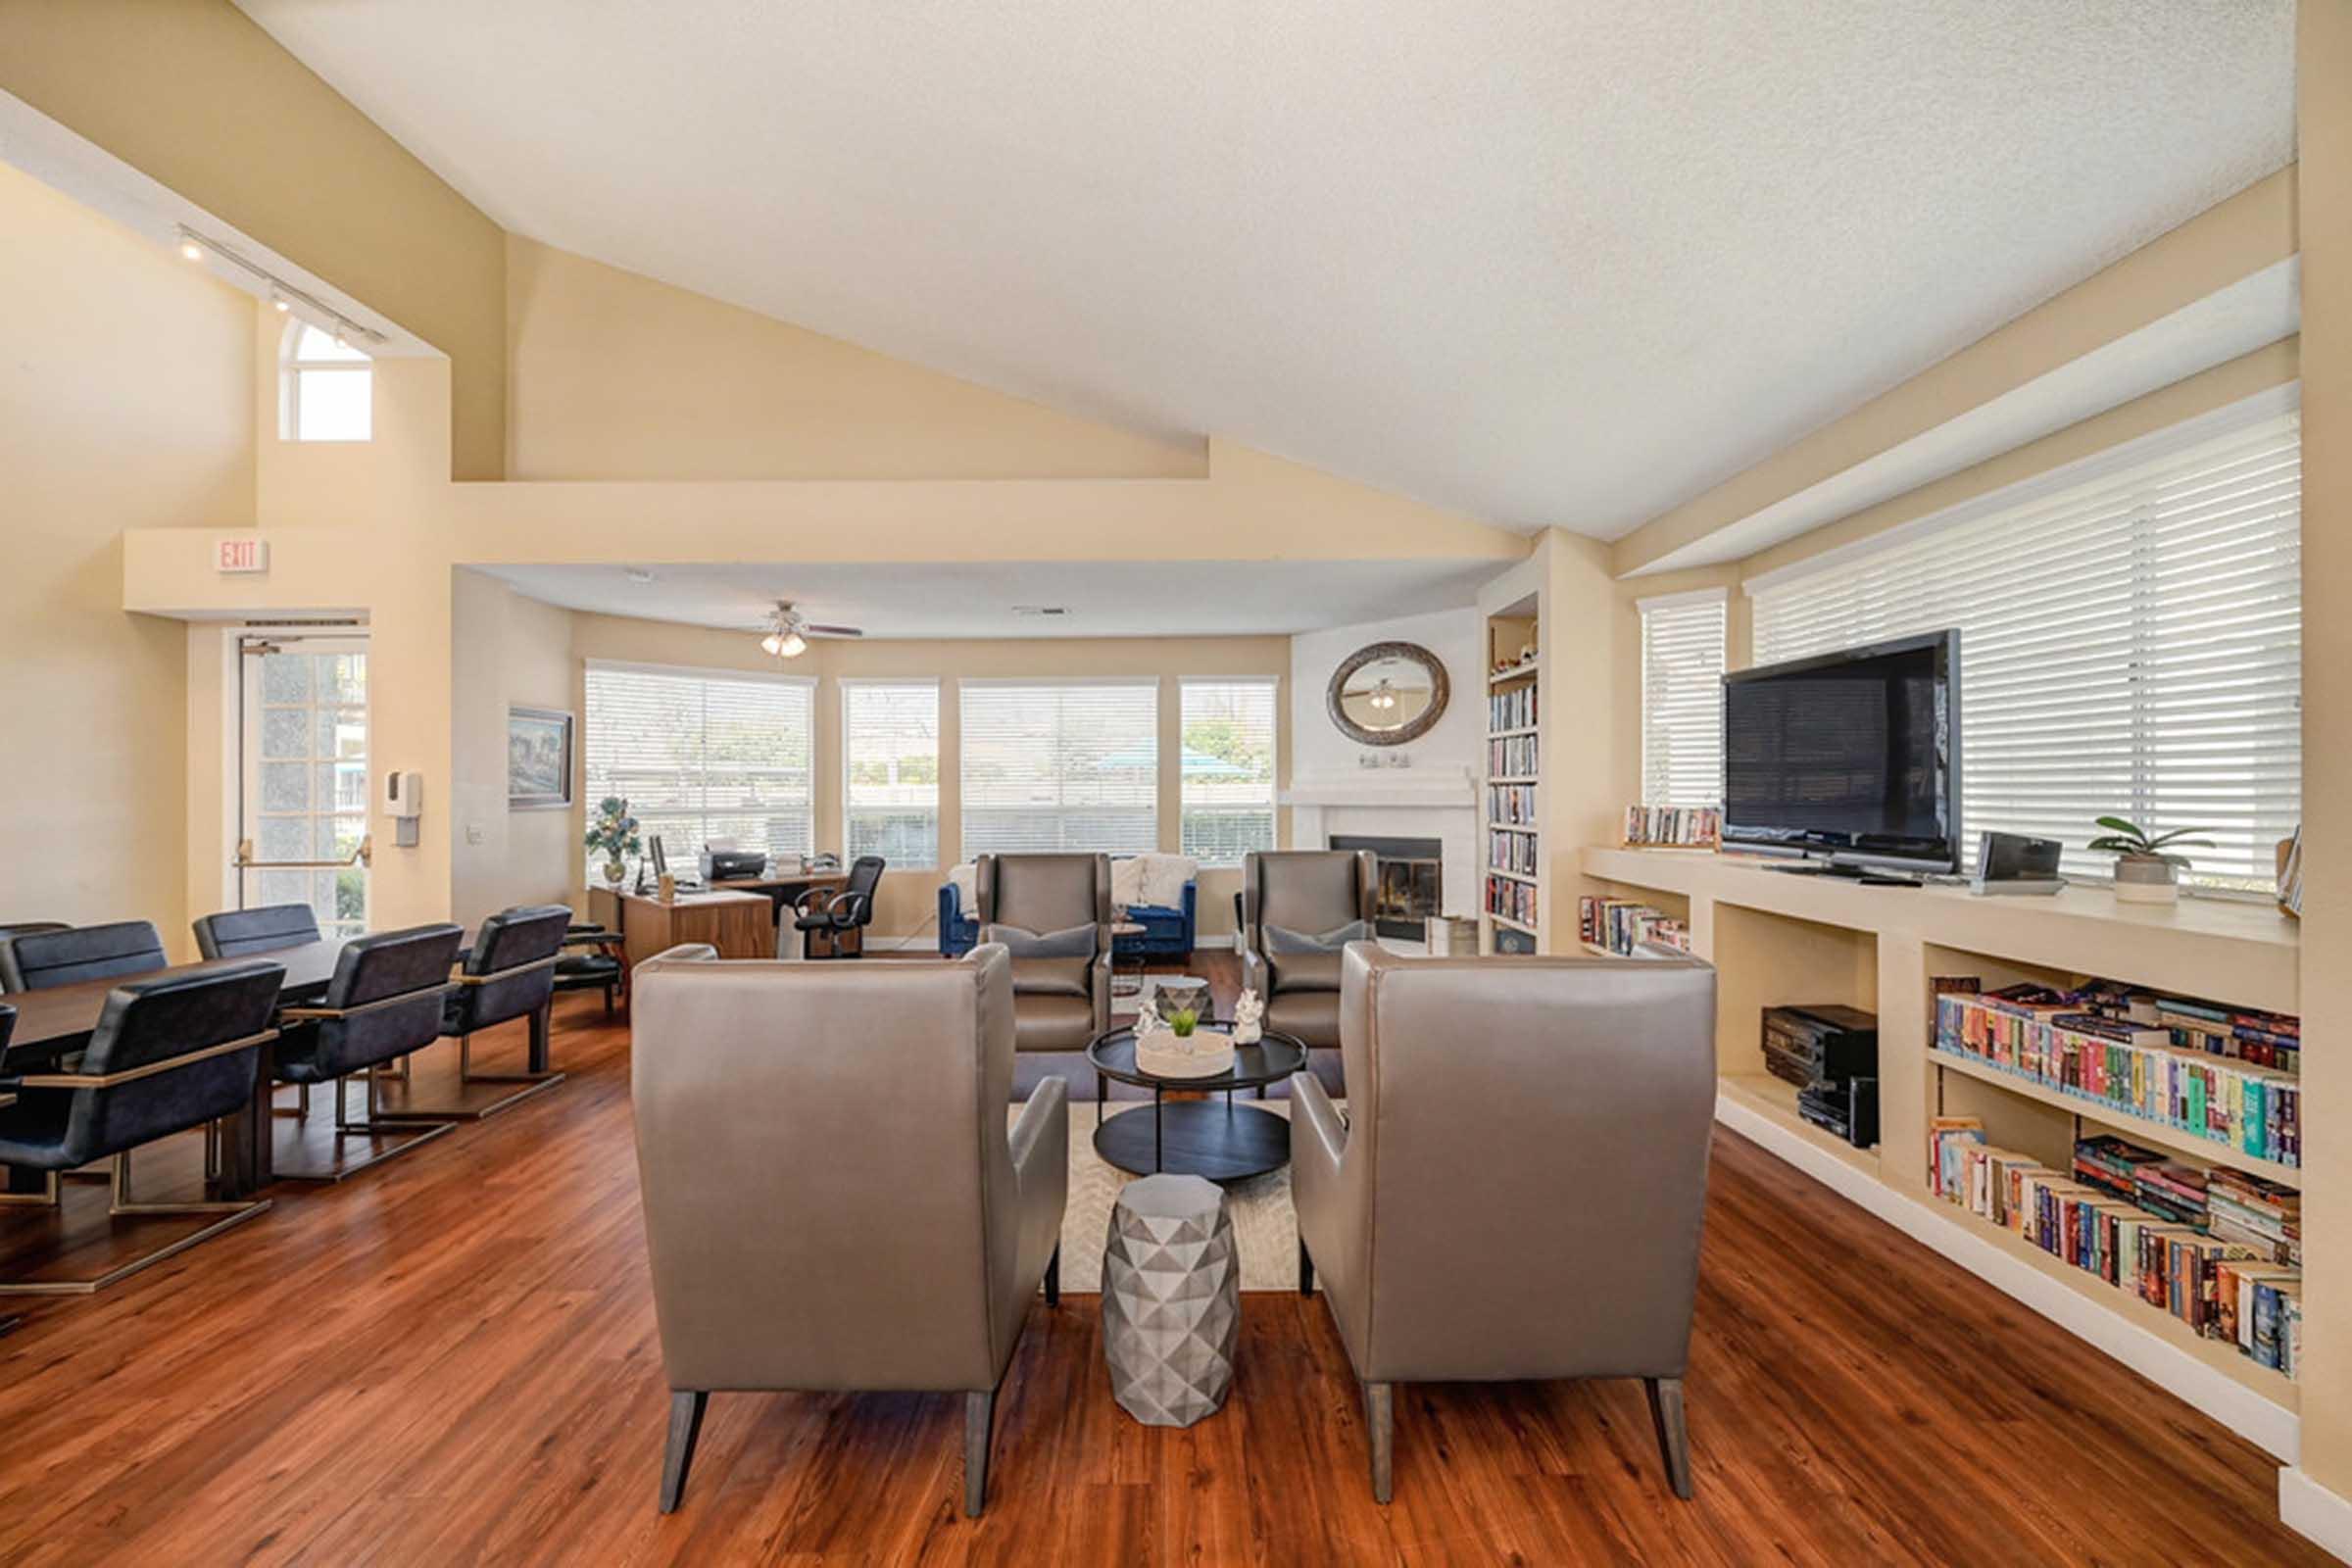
x: 1183, y: 1020
x: 2131, y: 840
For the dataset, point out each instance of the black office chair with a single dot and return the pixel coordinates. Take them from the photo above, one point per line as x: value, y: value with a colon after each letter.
x: 234, y: 933
x: 40, y: 959
x: 385, y: 1001
x: 850, y: 909
x: 170, y: 1055
x: 591, y: 961
x: 509, y: 973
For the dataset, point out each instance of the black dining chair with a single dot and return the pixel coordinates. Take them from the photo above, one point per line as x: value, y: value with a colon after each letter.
x: 509, y: 973
x: 385, y: 1001
x: 234, y: 933
x: 39, y: 959
x: 849, y: 910
x: 170, y: 1055
x: 591, y: 961
x: 29, y: 928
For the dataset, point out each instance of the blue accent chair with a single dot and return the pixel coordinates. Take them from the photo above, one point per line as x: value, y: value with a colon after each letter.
x: 1168, y: 931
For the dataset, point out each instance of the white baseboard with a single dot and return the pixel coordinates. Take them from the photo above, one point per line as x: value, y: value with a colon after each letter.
x: 2314, y: 1511
x: 2269, y: 1426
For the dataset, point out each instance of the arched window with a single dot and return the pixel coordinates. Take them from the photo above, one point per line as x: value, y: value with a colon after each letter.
x: 327, y: 391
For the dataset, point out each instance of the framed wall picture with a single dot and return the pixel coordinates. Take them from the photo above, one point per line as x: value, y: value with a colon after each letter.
x: 538, y: 759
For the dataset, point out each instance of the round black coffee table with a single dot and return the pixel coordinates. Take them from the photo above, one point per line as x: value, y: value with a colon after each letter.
x: 1225, y: 1141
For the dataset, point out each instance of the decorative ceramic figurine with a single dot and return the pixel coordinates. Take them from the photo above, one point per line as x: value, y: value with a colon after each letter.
x: 1249, y: 1019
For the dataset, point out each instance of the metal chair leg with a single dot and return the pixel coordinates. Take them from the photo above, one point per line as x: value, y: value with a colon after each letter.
x: 685, y: 1425
x: 979, y: 1426
x: 124, y: 1205
x: 1674, y: 1436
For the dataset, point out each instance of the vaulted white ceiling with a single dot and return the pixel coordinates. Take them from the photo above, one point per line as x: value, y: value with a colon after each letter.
x: 1548, y: 262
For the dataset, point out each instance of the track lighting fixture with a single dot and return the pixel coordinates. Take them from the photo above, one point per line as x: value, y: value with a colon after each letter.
x: 281, y: 295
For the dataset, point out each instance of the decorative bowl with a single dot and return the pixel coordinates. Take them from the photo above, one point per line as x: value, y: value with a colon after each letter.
x: 1204, y: 1055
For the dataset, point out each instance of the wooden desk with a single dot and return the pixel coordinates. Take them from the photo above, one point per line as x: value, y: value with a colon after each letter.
x: 740, y: 925
x: 55, y: 1022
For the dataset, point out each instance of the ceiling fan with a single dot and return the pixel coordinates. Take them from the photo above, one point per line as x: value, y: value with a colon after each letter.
x: 789, y: 631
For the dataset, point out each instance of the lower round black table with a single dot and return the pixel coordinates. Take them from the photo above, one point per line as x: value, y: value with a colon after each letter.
x: 1225, y: 1141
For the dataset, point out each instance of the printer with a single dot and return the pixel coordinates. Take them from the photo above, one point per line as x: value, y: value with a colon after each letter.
x: 729, y: 865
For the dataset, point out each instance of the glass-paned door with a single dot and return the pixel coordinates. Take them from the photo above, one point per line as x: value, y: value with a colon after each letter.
x: 304, y: 744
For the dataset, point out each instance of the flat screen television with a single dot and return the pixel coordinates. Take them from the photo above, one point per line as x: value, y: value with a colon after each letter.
x: 1852, y: 757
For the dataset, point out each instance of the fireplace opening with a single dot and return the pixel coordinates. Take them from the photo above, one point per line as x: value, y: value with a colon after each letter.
x: 1411, y: 886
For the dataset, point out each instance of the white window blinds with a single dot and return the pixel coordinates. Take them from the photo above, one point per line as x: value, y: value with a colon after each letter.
x: 1060, y: 766
x: 890, y: 770
x: 702, y: 755
x: 2131, y: 645
x: 1228, y: 769
x: 1681, y: 698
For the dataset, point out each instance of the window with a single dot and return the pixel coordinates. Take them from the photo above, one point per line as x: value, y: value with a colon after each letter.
x: 1072, y: 765
x: 1228, y: 769
x: 2130, y: 642
x: 699, y: 754
x: 1681, y: 698
x: 890, y: 770
x: 327, y: 390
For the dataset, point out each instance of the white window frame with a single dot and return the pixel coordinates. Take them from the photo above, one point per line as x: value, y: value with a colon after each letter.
x: 2064, y: 521
x: 926, y: 683
x: 1692, y: 719
x: 682, y: 857
x: 292, y: 368
x: 964, y: 744
x: 1271, y: 806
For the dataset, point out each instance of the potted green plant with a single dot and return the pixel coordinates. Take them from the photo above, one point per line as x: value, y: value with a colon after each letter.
x: 2144, y: 872
x: 614, y: 831
x: 1183, y: 1020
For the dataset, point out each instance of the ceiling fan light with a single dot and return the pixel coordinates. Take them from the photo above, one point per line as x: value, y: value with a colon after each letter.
x: 790, y: 646
x: 773, y: 646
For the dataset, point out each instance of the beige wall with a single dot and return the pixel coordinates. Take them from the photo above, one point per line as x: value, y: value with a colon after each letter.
x: 907, y: 905
x: 506, y: 651
x: 2325, y: 125
x: 613, y: 376
x: 193, y: 94
x: 123, y: 403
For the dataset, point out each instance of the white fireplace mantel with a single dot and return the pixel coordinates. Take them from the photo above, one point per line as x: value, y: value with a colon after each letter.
x: 1424, y: 788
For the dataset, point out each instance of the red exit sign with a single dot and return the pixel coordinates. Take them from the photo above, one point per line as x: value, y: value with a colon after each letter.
x: 241, y: 555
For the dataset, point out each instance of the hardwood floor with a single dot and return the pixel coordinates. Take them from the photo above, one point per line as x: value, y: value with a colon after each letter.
x: 452, y: 1359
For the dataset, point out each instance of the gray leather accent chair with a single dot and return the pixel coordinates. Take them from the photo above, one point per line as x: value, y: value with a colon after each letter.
x: 796, y: 1246
x: 1517, y: 1189
x: 234, y: 933
x: 1060, y: 1003
x: 1310, y: 891
x: 36, y: 960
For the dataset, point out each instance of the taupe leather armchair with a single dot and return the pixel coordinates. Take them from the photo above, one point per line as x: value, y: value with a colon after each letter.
x: 798, y: 1246
x: 1518, y: 1185
x: 1312, y: 893
x: 1061, y: 1001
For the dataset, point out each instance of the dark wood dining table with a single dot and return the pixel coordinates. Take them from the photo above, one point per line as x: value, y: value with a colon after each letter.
x: 58, y: 1021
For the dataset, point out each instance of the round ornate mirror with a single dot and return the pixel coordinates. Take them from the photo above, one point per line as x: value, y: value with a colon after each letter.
x: 1387, y: 693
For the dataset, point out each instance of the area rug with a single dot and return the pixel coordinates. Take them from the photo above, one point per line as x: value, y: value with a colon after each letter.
x: 1265, y: 1228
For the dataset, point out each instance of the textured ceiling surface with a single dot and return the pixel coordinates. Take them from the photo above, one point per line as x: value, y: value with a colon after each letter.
x: 1548, y: 262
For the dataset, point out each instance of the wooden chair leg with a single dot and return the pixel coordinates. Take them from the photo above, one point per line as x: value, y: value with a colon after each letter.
x: 1307, y: 1270
x: 1380, y: 1420
x: 979, y: 1426
x: 1053, y: 1277
x: 1674, y: 1439
x: 685, y: 1425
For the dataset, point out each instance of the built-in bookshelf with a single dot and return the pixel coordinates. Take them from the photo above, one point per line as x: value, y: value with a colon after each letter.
x: 2187, y: 1063
x: 1511, y: 865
